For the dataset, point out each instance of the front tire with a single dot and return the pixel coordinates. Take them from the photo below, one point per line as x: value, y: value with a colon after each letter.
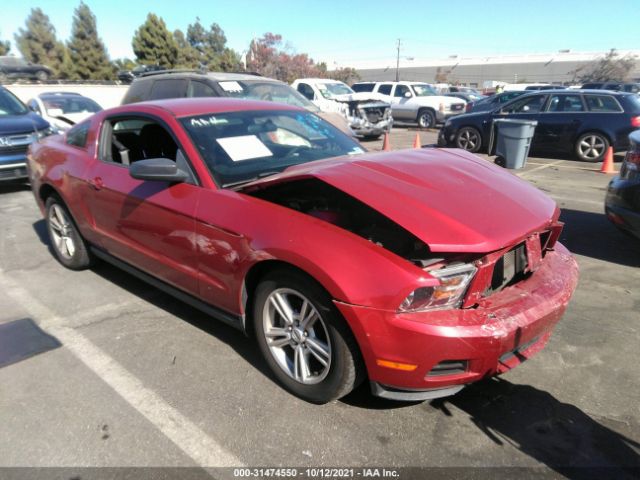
x: 304, y: 339
x: 42, y: 76
x: 469, y: 139
x: 591, y: 147
x: 426, y: 119
x: 68, y: 245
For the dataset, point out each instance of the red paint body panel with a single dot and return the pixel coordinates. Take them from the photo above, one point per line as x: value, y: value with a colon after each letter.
x: 453, y: 202
x: 204, y: 241
x: 513, y: 317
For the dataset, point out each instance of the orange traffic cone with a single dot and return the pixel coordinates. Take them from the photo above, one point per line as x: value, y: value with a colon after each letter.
x: 386, y: 147
x: 607, y: 165
x: 416, y: 141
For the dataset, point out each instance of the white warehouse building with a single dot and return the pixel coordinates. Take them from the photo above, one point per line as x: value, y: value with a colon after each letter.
x: 558, y: 68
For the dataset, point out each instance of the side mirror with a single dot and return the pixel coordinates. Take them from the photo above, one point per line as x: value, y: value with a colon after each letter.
x: 157, y: 170
x: 526, y: 108
x: 407, y: 95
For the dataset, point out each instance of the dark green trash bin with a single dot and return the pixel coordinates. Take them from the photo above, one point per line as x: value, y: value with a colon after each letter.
x: 513, y: 141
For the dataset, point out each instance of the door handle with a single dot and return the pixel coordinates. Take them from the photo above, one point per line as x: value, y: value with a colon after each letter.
x: 96, y: 183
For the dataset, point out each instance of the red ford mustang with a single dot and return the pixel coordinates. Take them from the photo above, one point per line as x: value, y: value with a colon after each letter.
x: 419, y: 270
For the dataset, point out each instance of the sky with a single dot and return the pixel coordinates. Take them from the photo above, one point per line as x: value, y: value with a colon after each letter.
x: 344, y: 32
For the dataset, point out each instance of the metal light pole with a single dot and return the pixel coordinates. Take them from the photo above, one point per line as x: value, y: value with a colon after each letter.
x: 398, y: 63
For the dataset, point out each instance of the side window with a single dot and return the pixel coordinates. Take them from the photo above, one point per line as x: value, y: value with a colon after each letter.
x: 632, y: 87
x: 400, y: 90
x: 602, y: 103
x: 385, y: 89
x: 531, y: 104
x: 306, y: 90
x: 200, y: 89
x: 124, y: 140
x: 77, y: 136
x: 363, y: 87
x: 565, y: 103
x: 171, y: 88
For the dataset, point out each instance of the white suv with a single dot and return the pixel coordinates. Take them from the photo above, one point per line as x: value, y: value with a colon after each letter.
x: 415, y: 102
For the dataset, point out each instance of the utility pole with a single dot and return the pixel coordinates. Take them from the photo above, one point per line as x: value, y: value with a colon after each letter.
x: 398, y: 63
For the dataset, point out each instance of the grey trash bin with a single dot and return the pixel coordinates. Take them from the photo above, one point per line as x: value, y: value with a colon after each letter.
x: 513, y: 141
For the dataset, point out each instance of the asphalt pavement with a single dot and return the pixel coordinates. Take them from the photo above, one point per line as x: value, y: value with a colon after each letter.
x: 142, y: 380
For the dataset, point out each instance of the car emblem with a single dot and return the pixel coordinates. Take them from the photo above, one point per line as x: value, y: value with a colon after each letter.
x: 5, y: 142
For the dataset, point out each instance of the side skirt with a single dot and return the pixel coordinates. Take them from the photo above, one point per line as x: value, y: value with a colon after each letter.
x: 236, y: 321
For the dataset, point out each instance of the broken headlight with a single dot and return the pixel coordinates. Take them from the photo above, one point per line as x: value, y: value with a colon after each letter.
x: 449, y: 294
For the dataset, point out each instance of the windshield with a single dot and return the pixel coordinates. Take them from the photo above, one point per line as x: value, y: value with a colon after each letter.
x: 269, y: 91
x: 10, y: 105
x: 423, y: 90
x: 330, y: 90
x: 70, y: 105
x: 239, y: 147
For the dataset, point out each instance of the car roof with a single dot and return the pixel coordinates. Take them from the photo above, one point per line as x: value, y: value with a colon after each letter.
x: 217, y: 76
x: 577, y: 91
x: 318, y: 80
x: 59, y: 94
x: 187, y: 107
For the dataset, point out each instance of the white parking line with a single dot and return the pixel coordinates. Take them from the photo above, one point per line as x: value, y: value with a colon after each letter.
x: 188, y: 437
x: 541, y: 167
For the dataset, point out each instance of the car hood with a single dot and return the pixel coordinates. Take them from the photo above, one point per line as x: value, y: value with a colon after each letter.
x: 450, y: 199
x: 26, y: 123
x: 360, y: 97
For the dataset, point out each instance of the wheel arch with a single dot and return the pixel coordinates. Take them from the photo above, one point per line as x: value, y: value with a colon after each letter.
x: 258, y: 271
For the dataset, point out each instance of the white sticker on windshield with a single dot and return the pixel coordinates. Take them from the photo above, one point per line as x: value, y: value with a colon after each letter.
x: 231, y: 86
x: 355, y: 151
x: 244, y: 147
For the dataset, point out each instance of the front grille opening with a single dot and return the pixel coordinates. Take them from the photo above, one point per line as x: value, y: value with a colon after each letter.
x: 449, y: 367
x: 508, y: 269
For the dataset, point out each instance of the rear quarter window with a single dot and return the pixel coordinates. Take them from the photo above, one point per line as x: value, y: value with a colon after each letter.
x: 137, y: 92
x: 602, y: 103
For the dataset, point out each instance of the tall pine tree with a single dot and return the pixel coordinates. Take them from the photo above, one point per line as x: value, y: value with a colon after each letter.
x: 153, y: 43
x: 5, y: 46
x: 187, y: 55
x: 211, y: 47
x: 89, y: 59
x: 38, y: 43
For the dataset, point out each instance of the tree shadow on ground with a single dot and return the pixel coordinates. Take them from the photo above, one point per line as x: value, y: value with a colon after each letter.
x: 556, y: 434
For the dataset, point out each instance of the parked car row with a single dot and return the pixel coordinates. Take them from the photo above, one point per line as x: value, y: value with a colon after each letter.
x: 583, y: 122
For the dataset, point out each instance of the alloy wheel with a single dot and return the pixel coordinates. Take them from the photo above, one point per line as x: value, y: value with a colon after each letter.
x: 468, y: 140
x: 591, y: 147
x: 297, y: 336
x: 61, y: 231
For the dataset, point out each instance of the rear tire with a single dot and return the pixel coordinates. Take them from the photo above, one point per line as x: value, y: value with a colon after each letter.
x: 42, y: 76
x: 68, y: 245
x: 591, y: 147
x: 304, y: 339
x: 469, y: 139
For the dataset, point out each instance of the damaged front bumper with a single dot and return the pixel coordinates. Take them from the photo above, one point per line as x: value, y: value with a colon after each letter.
x: 448, y: 349
x: 370, y: 119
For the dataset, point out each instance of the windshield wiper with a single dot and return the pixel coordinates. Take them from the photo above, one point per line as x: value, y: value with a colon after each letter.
x: 249, y: 180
